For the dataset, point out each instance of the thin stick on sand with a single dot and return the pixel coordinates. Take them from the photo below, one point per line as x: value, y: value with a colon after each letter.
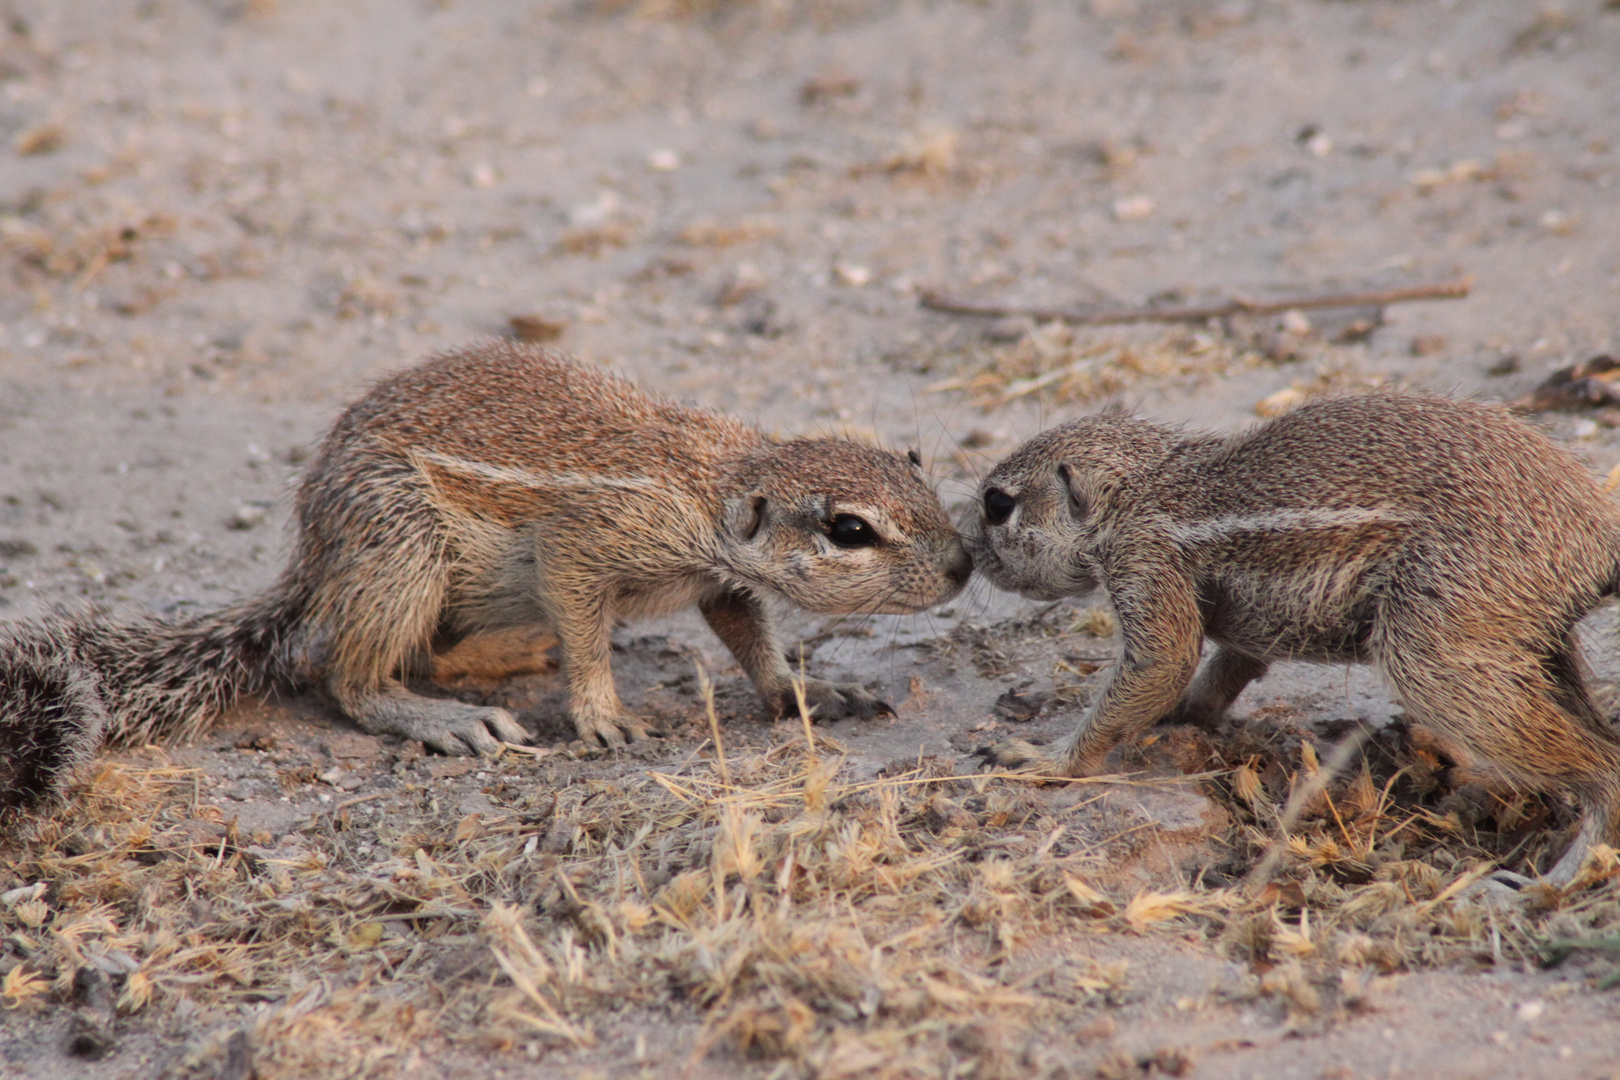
x: 1237, y: 305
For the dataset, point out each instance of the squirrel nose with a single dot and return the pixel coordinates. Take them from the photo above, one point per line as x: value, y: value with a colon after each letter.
x: 960, y: 568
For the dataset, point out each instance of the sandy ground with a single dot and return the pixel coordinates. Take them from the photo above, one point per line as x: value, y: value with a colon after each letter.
x: 219, y: 219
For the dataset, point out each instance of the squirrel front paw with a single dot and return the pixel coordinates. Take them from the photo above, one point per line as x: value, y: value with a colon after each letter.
x: 1020, y: 756
x: 833, y: 701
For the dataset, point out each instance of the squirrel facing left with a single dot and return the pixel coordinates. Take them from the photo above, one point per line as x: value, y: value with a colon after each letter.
x: 489, y: 489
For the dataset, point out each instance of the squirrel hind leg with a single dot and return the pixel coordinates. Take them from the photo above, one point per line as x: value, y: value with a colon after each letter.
x: 1215, y: 687
x: 1528, y: 720
x: 52, y: 721
x: 450, y: 727
x: 492, y: 657
x: 1600, y: 824
x: 382, y: 612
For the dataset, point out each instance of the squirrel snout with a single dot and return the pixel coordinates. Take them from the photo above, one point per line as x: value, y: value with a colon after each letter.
x: 960, y: 568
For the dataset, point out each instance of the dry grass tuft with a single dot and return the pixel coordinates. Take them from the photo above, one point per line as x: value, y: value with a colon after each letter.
x: 778, y: 908
x: 1061, y: 364
x: 761, y: 901
x: 1375, y: 857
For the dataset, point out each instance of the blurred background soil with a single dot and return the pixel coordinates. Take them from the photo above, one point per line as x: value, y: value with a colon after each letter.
x: 221, y: 219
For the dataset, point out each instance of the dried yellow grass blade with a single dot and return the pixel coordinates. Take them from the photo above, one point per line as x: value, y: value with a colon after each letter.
x: 1147, y: 908
x: 514, y: 950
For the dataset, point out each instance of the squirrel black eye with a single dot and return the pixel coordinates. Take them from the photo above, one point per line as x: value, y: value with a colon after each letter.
x: 998, y: 506
x: 849, y: 531
x: 914, y: 457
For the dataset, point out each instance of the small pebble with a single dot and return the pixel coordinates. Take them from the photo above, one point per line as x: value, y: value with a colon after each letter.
x: 1558, y: 222
x: 1508, y: 365
x: 43, y: 139
x: 248, y: 517
x: 1427, y: 344
x: 1280, y: 402
x: 1009, y: 330
x: 1294, y: 321
x: 852, y: 274
x: 976, y: 439
x: 744, y: 281
x: 536, y: 328
x: 663, y: 161
x: 1132, y: 208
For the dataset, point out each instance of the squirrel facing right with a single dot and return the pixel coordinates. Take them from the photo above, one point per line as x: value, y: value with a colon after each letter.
x: 1444, y: 542
x: 487, y: 490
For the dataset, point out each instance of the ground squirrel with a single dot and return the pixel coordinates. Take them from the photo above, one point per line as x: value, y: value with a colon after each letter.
x: 487, y: 489
x: 1443, y: 542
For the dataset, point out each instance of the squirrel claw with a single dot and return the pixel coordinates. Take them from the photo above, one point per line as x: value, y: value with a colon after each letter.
x: 614, y: 733
x: 835, y: 701
x: 471, y: 733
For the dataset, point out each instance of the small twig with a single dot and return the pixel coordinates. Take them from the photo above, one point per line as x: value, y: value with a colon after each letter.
x: 519, y: 748
x: 406, y: 916
x: 1469, y: 877
x: 100, y: 262
x: 1237, y: 305
x: 357, y: 800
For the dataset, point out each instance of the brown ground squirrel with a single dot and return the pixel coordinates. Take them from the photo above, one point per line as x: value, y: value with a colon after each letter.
x: 1444, y: 542
x: 488, y: 489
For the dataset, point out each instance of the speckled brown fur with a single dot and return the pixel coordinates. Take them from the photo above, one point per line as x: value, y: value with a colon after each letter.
x: 1444, y: 542
x: 501, y: 487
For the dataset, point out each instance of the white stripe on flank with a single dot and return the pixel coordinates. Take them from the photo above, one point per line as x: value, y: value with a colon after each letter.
x: 1229, y: 526
x: 505, y: 474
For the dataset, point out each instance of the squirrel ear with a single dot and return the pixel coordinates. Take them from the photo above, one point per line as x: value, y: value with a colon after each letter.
x: 1078, y: 504
x: 746, y: 517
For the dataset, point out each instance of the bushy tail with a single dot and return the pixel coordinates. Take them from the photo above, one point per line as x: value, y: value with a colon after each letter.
x: 51, y: 721
x: 69, y: 683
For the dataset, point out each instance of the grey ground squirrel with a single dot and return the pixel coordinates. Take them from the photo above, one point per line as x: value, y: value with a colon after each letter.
x: 1444, y: 542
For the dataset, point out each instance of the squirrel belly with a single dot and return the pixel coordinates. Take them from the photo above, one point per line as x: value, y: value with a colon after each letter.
x: 1443, y: 542
x: 487, y: 489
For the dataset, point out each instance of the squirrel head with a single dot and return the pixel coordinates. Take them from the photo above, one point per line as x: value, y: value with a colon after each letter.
x: 836, y: 526
x: 1041, y: 510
